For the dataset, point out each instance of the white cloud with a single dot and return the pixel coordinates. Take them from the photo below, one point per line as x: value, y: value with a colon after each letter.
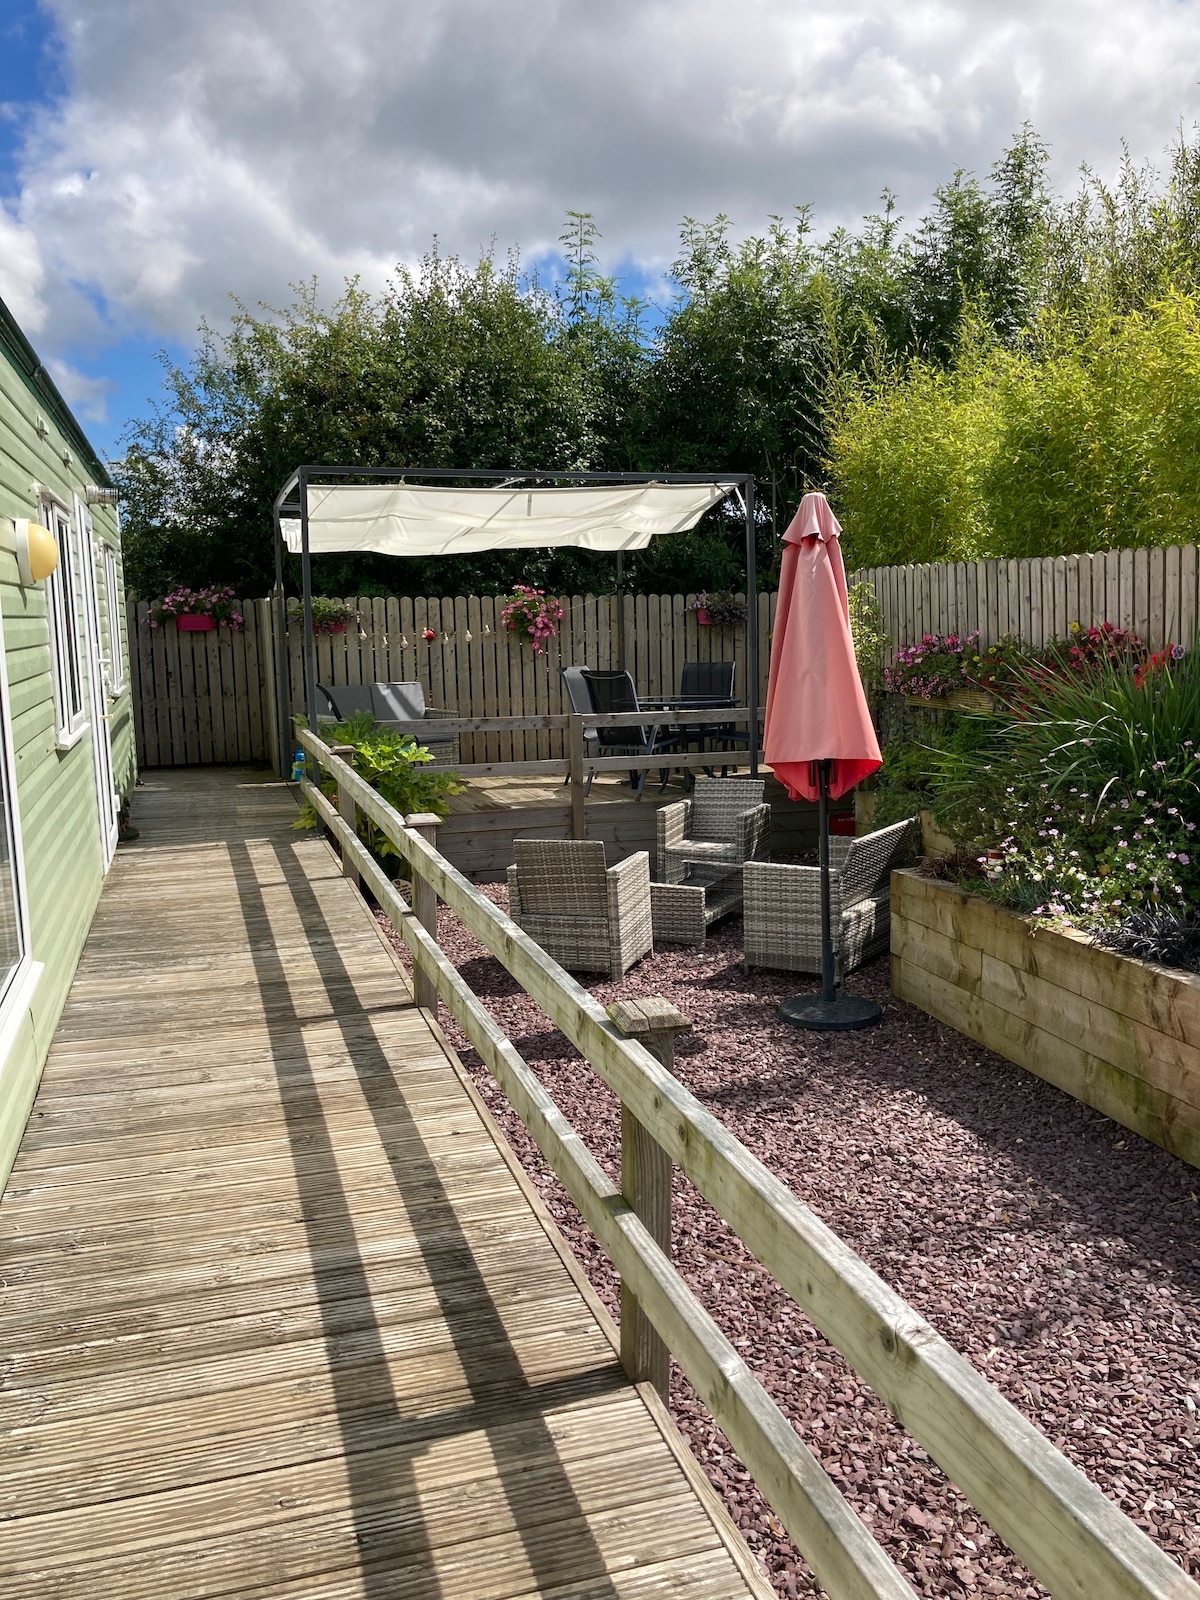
x: 22, y: 273
x: 87, y: 397
x: 237, y: 145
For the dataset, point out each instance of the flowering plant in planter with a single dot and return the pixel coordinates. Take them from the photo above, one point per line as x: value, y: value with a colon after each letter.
x: 216, y: 603
x: 1086, y: 649
x: 531, y: 616
x: 932, y: 668
x: 721, y: 610
x: 328, y: 616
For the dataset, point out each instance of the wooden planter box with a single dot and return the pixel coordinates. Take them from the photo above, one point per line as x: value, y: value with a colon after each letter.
x: 956, y: 700
x: 1118, y: 1034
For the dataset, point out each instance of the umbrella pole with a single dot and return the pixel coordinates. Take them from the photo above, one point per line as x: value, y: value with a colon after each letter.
x: 828, y: 992
x: 828, y: 1011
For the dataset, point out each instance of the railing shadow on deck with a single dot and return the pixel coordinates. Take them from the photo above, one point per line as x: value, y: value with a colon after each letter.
x: 381, y: 1443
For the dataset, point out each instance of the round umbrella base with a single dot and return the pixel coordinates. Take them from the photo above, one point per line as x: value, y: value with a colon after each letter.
x: 841, y: 1015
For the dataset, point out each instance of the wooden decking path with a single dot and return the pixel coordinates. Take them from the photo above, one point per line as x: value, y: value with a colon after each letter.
x: 279, y: 1316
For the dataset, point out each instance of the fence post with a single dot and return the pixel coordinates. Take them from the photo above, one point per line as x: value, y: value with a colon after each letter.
x: 646, y: 1184
x: 348, y: 812
x: 575, y: 754
x: 424, y: 904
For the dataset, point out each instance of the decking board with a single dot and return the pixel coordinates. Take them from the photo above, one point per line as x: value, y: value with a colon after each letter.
x: 278, y: 1317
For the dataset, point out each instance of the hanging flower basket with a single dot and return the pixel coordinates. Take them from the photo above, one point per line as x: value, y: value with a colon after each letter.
x: 718, y: 610
x: 328, y: 616
x: 196, y: 610
x: 532, y: 617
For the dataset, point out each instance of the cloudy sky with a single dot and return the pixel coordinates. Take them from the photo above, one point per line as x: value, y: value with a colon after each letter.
x: 157, y: 156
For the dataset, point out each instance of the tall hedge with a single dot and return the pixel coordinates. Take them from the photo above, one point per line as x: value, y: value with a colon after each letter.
x: 1082, y: 439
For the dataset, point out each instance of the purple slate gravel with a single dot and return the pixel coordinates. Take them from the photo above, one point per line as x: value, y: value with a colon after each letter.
x: 1059, y: 1252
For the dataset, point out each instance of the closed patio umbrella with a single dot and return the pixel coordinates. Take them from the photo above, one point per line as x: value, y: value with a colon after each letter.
x: 819, y: 739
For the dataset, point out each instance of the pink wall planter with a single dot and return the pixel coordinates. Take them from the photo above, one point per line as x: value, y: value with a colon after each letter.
x: 189, y: 623
x: 703, y: 618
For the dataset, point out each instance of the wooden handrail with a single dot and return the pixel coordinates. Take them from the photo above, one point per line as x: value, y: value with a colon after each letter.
x: 447, y: 727
x: 848, y: 1561
x: 1075, y: 1540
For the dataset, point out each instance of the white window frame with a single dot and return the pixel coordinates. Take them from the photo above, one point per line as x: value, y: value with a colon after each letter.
x: 18, y: 992
x: 70, y: 720
x: 115, y: 664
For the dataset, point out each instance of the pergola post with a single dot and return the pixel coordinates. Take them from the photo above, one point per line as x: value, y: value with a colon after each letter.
x: 752, y: 627
x: 310, y: 665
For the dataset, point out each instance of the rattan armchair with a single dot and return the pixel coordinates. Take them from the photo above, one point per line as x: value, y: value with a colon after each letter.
x: 725, y: 822
x: 781, y: 904
x: 588, y: 916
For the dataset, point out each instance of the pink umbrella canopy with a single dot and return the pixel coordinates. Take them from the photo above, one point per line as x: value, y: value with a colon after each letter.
x: 816, y: 708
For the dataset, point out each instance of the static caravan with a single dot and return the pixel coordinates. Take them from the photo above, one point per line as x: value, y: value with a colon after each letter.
x: 67, y: 760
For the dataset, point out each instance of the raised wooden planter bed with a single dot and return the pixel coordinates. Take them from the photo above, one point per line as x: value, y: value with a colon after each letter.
x: 1118, y: 1034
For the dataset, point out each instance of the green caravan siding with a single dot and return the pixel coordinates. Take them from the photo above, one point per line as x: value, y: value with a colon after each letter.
x: 56, y: 788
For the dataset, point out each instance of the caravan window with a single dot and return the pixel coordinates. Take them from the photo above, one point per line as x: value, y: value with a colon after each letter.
x: 63, y: 611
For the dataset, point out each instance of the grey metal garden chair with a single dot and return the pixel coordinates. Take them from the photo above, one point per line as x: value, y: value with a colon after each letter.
x: 725, y: 822
x: 781, y: 904
x: 614, y: 691
x: 580, y: 698
x: 590, y: 917
x: 346, y: 700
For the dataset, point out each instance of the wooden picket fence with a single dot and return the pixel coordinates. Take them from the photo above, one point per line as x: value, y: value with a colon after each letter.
x: 212, y: 697
x: 1155, y: 592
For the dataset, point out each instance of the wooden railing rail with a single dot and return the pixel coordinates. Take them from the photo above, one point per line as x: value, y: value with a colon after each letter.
x: 1076, y: 1541
x: 576, y: 764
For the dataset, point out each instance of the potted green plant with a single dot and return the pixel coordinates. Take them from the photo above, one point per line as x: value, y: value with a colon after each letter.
x: 197, y: 610
x: 720, y: 610
x: 328, y: 616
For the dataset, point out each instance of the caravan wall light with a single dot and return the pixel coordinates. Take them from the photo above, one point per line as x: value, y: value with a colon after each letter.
x: 37, y: 551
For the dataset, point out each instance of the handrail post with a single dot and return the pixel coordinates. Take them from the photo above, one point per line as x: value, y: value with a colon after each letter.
x: 424, y: 904
x: 575, y: 754
x: 348, y: 812
x: 646, y: 1184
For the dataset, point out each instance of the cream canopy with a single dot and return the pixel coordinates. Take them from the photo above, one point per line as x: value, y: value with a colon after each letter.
x: 345, y: 509
x: 411, y: 520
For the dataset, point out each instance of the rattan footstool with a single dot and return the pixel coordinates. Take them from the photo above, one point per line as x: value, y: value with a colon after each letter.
x: 682, y: 913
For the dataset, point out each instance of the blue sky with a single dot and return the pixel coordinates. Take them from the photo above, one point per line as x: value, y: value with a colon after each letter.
x: 159, y: 156
x: 32, y: 79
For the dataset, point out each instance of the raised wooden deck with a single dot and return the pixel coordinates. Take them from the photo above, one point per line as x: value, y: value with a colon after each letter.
x: 279, y: 1314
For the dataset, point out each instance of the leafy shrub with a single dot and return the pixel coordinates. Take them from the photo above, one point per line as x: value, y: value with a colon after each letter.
x: 1092, y: 792
x: 871, y: 641
x: 397, y: 767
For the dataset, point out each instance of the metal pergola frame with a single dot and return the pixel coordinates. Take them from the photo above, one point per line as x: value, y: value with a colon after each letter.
x: 303, y: 476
